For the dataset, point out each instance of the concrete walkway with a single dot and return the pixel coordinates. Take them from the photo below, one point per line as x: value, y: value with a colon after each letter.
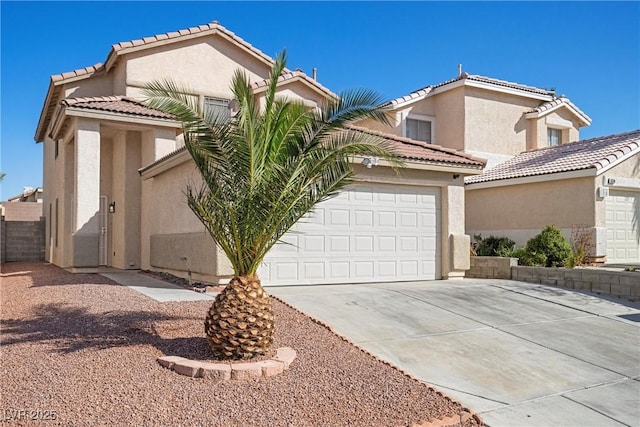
x: 518, y: 354
x: 159, y: 290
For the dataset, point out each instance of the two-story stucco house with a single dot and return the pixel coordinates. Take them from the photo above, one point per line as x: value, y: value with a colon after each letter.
x: 533, y: 178
x: 482, y: 116
x: 115, y: 172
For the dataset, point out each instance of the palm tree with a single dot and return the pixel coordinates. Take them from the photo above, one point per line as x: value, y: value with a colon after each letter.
x: 262, y: 170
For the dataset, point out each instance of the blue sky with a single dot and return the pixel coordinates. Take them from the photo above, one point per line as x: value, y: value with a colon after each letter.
x: 589, y: 51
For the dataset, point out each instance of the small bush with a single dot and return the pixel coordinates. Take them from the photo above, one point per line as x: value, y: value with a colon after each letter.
x: 581, y: 245
x: 548, y: 249
x: 493, y: 246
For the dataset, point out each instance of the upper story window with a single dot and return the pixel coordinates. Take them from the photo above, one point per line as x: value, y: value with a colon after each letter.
x: 420, y: 128
x: 217, y: 107
x: 554, y: 137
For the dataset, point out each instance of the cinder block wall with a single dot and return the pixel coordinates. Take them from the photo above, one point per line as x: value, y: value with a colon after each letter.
x: 22, y: 211
x: 22, y: 240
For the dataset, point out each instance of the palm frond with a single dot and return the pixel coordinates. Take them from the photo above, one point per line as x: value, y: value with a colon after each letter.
x: 270, y: 164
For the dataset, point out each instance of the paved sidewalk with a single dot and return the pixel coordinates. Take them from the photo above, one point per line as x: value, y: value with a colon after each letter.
x: 158, y: 290
x: 518, y: 354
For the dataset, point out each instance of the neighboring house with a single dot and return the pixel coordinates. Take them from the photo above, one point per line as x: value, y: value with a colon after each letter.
x: 115, y: 172
x: 29, y: 194
x: 593, y: 183
x: 485, y: 117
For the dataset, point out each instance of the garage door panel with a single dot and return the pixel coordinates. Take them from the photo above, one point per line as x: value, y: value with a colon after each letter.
x: 314, y: 270
x: 363, y: 218
x: 409, y: 219
x: 387, y: 219
x: 386, y: 244
x: 372, y: 232
x: 338, y: 217
x: 363, y: 243
x: 314, y: 243
x: 408, y: 243
x: 387, y: 269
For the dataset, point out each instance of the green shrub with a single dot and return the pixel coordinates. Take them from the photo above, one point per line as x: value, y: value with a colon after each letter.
x: 493, y: 246
x: 548, y: 249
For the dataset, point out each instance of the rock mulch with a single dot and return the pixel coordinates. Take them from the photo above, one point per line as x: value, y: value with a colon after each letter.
x: 81, y: 350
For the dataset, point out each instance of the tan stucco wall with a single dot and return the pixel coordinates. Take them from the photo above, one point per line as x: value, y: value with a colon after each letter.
x: 448, y: 110
x: 124, y: 251
x: 559, y: 119
x: 630, y: 168
x: 205, y: 65
x: 450, y: 119
x: 58, y: 184
x: 119, y: 77
x: 300, y: 91
x: 98, y: 85
x: 521, y: 211
x: 494, y: 121
x: 166, y: 216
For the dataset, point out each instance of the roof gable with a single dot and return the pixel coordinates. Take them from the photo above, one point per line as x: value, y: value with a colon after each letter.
x: 475, y: 81
x: 551, y: 106
x: 117, y: 50
x: 596, y: 153
x: 291, y: 77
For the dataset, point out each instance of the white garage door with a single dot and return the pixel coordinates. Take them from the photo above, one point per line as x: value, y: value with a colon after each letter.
x: 623, y: 233
x: 371, y: 232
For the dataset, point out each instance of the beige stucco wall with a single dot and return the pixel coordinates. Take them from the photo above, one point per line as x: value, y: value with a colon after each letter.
x: 494, y: 121
x: 124, y: 232
x: 166, y: 217
x: 97, y: 85
x: 630, y: 169
x: 206, y: 65
x: 58, y: 184
x: 559, y: 119
x: 521, y: 211
x: 451, y: 120
x: 448, y: 110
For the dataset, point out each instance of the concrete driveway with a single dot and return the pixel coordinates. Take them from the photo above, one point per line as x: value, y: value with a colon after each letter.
x: 518, y: 354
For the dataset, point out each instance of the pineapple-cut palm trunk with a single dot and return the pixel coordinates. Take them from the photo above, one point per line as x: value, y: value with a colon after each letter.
x: 239, y: 324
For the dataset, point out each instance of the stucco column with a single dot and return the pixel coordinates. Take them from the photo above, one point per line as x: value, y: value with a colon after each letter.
x: 87, y: 193
x: 157, y: 143
x: 455, y: 243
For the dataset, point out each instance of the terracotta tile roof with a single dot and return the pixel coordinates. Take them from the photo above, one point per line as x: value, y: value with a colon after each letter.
x: 471, y: 77
x: 547, y: 106
x: 86, y: 71
x: 406, y: 148
x: 422, y: 151
x: 594, y: 153
x: 213, y: 26
x: 290, y: 75
x: 115, y: 104
x: 121, y: 46
x: 162, y: 159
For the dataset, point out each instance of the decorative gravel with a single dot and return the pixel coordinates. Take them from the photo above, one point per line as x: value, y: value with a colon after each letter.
x: 82, y: 349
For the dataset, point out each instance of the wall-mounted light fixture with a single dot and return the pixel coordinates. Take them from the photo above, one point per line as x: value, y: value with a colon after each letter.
x: 611, y: 181
x: 456, y: 175
x: 370, y: 161
x: 112, y: 207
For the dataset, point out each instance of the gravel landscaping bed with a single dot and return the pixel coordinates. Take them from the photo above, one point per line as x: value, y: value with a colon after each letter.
x: 84, y: 348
